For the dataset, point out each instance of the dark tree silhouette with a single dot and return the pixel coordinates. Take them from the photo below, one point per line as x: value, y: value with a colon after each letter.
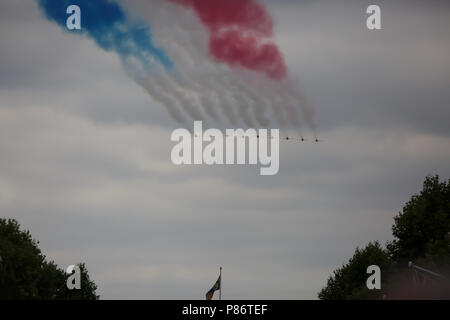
x: 349, y: 281
x: 25, y: 273
x: 421, y: 234
x: 421, y: 230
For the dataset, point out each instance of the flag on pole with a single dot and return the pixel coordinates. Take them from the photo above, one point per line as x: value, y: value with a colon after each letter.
x: 215, y: 287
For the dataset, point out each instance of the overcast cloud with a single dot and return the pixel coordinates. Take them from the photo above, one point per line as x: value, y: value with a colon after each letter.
x: 85, y: 155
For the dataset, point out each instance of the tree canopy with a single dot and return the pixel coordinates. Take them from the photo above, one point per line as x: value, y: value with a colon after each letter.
x: 26, y: 274
x: 421, y: 234
x: 422, y: 229
x: 349, y: 281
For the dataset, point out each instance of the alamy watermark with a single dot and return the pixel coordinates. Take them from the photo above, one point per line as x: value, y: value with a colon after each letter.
x: 214, y: 147
x: 374, y: 280
x: 74, y: 278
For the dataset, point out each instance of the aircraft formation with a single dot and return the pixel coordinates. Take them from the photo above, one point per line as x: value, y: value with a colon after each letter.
x: 288, y: 138
x: 300, y: 139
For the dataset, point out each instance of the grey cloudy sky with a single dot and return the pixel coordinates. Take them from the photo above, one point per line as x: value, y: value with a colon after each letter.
x: 85, y: 155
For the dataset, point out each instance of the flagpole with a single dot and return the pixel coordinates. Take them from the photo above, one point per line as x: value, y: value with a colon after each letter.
x: 220, y: 292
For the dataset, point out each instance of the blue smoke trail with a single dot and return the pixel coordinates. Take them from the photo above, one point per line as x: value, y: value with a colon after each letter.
x: 106, y: 23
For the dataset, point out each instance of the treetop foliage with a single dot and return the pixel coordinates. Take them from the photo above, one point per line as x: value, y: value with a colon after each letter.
x: 421, y: 234
x: 26, y: 274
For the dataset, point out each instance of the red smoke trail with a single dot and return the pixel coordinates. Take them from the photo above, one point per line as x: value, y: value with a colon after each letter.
x: 240, y: 34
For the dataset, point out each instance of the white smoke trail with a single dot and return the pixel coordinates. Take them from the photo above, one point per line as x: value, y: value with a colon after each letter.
x: 135, y: 71
x: 200, y: 88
